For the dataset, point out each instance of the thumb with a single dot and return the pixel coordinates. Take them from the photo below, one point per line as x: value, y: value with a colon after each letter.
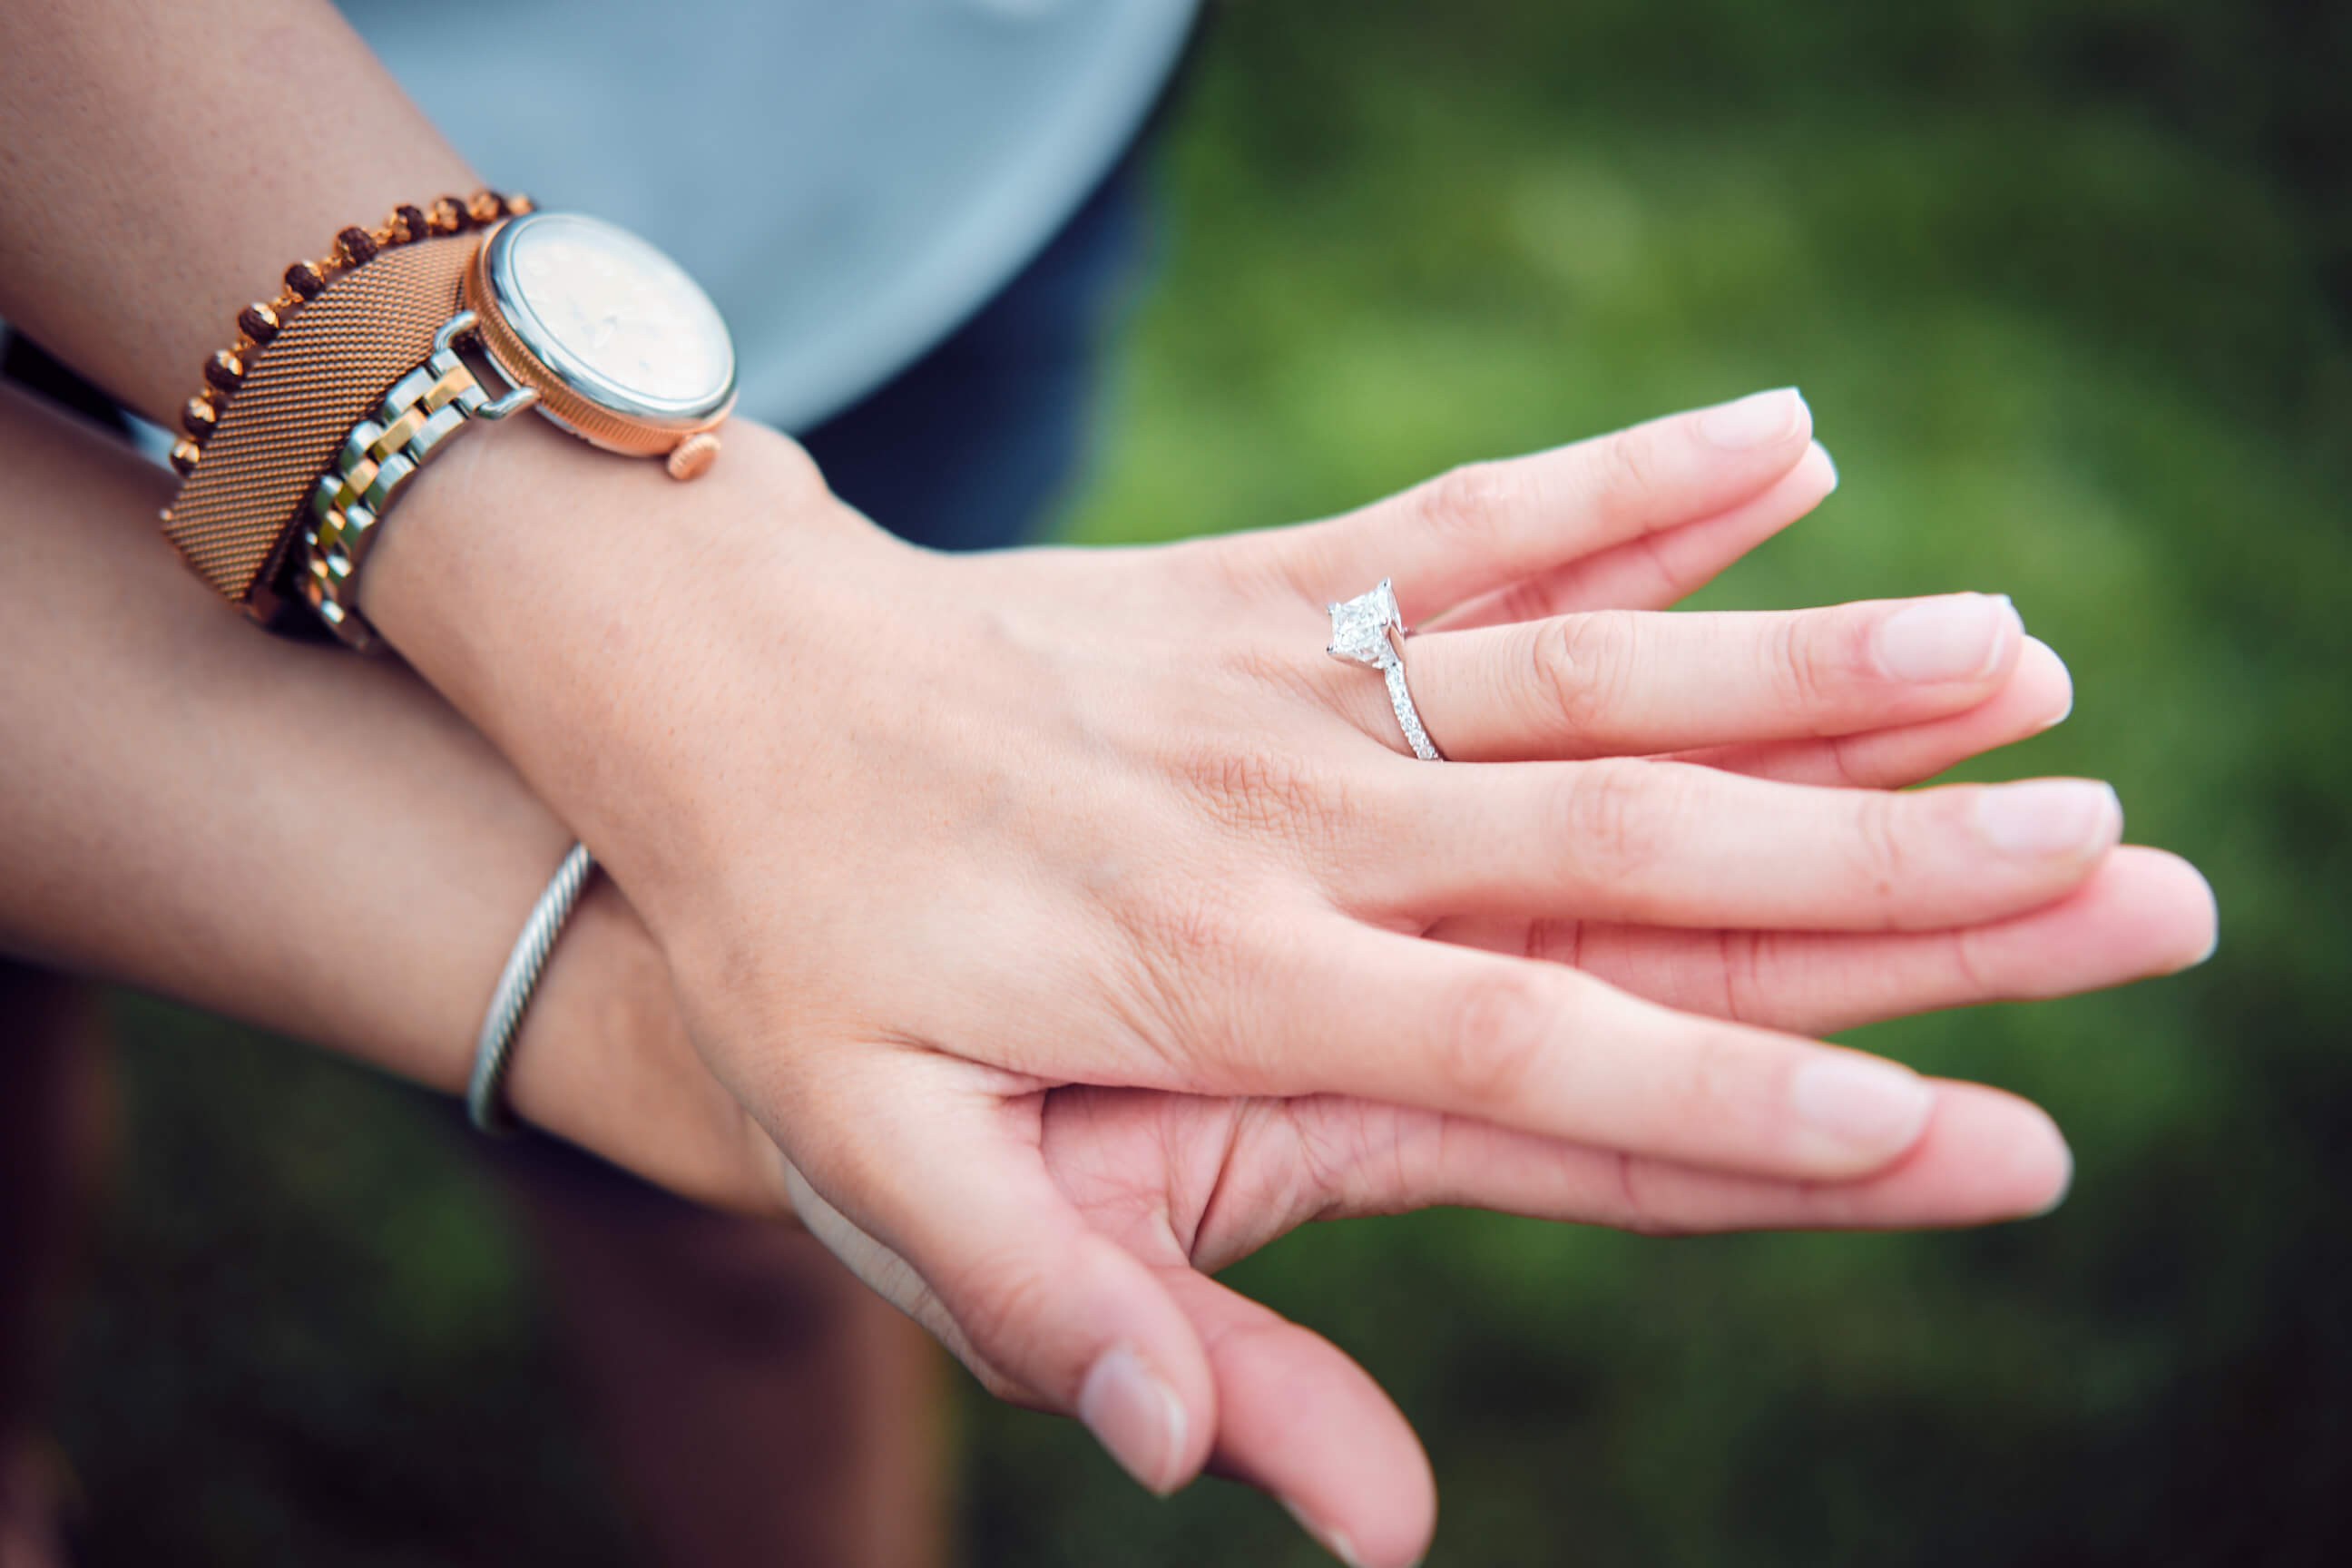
x: 963, y: 1228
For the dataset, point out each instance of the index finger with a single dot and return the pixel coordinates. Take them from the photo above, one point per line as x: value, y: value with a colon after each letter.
x: 1485, y: 525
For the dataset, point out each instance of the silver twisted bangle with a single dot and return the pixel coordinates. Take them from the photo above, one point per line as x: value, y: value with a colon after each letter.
x: 486, y: 1105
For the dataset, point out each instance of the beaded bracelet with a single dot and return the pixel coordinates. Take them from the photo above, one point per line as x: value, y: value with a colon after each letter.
x: 263, y: 320
x: 234, y: 519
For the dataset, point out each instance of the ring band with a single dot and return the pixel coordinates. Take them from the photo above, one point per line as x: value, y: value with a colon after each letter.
x: 1368, y: 629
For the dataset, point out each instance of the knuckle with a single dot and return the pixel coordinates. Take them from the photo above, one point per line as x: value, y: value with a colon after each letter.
x: 1822, y: 654
x: 1254, y: 792
x: 1626, y: 471
x: 1843, y: 771
x: 999, y: 1302
x: 1974, y: 979
x: 1746, y: 958
x: 1198, y: 965
x: 1528, y: 599
x: 1496, y: 1030
x: 1877, y: 843
x: 1583, y: 666
x: 1189, y: 927
x: 1185, y: 940
x: 1797, y: 665
x: 1617, y: 813
x: 1713, y: 1087
x: 1638, y: 1211
x: 1468, y: 499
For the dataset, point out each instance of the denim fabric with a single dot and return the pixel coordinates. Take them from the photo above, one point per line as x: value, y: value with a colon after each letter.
x: 970, y: 447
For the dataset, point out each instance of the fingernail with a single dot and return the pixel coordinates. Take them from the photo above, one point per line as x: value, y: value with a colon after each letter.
x: 2068, y: 706
x: 1962, y: 637
x: 1136, y: 1417
x: 2213, y: 930
x: 1830, y: 463
x: 2065, y: 1185
x: 1331, y: 1541
x: 2050, y: 816
x: 1753, y: 420
x: 1860, y: 1100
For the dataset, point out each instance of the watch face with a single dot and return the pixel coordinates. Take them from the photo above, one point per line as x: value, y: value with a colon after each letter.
x: 618, y: 322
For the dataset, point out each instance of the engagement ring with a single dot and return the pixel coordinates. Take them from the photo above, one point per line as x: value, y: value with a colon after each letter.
x: 1367, y: 629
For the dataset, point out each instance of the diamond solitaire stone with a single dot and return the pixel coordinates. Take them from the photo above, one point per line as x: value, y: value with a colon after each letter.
x: 1359, y: 634
x: 1359, y: 627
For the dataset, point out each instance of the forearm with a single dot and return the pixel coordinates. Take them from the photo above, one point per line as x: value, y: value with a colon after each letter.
x: 294, y: 836
x: 162, y: 164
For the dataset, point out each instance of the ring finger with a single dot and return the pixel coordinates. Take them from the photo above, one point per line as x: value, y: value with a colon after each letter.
x: 1618, y: 683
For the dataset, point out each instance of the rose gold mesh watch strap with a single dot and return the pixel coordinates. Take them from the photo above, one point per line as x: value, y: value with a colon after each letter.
x: 237, y: 512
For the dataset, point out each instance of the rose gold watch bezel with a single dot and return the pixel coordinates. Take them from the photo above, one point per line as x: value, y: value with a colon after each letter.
x: 631, y: 435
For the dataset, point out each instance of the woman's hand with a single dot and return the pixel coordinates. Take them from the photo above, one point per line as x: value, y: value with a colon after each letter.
x: 188, y: 797
x: 1188, y: 1184
x: 923, y: 839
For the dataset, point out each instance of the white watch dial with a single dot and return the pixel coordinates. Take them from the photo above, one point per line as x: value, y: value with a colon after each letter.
x: 587, y: 297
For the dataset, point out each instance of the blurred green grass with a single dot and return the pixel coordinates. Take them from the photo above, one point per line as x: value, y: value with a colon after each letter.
x: 2066, y: 286
x: 2063, y: 313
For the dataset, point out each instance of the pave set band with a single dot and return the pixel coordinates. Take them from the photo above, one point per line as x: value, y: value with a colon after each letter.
x: 1368, y: 630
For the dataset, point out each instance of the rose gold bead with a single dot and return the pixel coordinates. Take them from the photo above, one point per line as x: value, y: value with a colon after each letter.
x: 445, y: 215
x: 484, y: 207
x: 225, y: 371
x: 185, y: 455
x: 355, y: 245
x: 413, y: 222
x: 305, y: 279
x: 690, y: 457
x: 517, y: 204
x: 258, y: 322
x: 198, y: 418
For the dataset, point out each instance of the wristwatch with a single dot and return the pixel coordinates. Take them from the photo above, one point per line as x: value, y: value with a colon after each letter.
x: 622, y: 348
x: 586, y: 322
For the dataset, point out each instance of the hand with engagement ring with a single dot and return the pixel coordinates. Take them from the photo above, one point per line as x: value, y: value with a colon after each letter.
x: 1184, y: 1183
x: 975, y: 874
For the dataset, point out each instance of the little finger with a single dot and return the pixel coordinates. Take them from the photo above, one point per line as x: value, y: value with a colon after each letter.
x: 2143, y: 914
x: 1550, y: 1050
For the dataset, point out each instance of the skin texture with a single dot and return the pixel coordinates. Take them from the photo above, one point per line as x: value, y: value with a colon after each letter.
x: 930, y: 849
x: 118, y: 807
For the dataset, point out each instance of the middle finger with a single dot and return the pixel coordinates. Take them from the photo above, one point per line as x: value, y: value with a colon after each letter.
x: 1675, y: 843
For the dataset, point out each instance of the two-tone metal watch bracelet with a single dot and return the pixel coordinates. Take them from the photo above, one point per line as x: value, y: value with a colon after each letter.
x: 419, y: 416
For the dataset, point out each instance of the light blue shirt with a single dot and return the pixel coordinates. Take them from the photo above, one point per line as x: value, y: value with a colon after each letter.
x: 849, y: 179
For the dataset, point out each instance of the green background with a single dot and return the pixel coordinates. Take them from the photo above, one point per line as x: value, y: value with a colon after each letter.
x: 2067, y: 286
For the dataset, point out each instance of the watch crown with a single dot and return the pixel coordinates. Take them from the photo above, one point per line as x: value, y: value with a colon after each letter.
x: 693, y: 456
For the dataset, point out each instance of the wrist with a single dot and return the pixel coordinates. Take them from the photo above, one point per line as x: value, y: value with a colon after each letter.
x: 547, y: 590
x: 602, y: 1061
